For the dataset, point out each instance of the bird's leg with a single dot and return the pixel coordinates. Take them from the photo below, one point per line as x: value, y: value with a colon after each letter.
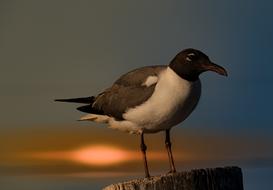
x: 143, y: 148
x: 169, y: 150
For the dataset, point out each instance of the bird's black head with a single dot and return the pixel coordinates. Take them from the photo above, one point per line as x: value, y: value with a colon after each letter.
x: 190, y: 63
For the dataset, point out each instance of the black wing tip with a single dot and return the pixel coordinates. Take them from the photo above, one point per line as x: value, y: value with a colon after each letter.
x: 90, y: 109
x: 85, y: 109
x: 66, y: 100
x: 83, y: 100
x: 59, y: 100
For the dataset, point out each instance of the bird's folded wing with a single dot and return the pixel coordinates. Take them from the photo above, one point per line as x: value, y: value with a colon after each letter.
x: 130, y: 90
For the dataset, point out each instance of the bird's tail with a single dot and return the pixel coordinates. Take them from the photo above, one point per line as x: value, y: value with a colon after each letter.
x: 83, y: 100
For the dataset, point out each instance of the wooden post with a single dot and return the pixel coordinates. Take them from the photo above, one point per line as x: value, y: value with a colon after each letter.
x: 228, y: 178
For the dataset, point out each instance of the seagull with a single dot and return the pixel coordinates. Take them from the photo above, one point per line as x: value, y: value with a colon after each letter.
x: 151, y: 99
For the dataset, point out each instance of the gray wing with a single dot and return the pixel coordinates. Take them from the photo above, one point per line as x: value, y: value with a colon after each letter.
x: 127, y: 92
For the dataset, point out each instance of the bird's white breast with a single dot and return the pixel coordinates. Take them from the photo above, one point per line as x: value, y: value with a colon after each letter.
x: 172, y: 101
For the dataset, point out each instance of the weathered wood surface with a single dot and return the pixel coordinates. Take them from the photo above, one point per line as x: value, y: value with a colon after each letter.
x: 228, y: 178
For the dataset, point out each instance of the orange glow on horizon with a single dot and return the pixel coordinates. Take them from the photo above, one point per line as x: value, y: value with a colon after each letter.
x: 102, y: 155
x: 96, y: 155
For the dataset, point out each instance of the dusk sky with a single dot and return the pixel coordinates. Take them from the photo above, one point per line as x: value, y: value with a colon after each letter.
x: 64, y: 49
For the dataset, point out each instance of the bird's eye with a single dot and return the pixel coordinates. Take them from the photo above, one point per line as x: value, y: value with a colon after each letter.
x: 190, y: 57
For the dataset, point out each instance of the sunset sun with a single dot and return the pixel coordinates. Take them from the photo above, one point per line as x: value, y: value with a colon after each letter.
x: 100, y: 155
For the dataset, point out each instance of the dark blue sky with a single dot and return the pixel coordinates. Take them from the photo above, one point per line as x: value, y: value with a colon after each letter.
x: 62, y: 49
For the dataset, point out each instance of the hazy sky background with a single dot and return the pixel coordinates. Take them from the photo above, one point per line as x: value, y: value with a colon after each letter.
x: 63, y: 49
x: 52, y: 49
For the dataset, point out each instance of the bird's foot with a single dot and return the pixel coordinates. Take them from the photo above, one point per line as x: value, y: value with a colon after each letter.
x: 148, y: 177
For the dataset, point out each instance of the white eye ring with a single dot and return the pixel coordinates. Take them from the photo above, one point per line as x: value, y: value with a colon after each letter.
x: 188, y: 58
